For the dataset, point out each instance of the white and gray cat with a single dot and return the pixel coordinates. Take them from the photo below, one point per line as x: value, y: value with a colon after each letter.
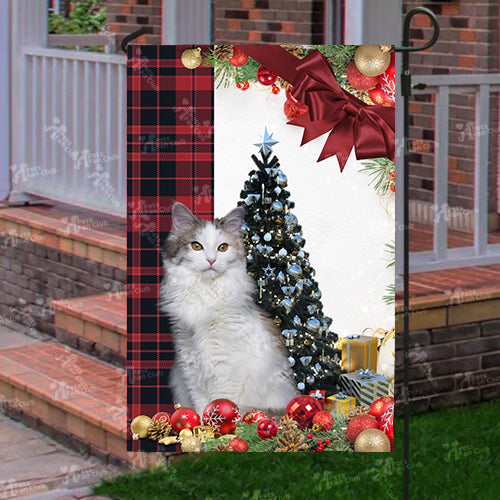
x: 227, y: 347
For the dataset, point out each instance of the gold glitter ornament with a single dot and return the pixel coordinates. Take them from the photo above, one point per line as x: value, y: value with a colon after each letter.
x: 191, y: 58
x: 185, y: 433
x: 140, y: 427
x: 372, y: 440
x: 169, y: 440
x: 370, y: 60
x: 192, y: 444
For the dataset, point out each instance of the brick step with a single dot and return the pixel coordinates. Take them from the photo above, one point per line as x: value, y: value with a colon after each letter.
x: 65, y: 228
x: 69, y: 392
x: 95, y: 324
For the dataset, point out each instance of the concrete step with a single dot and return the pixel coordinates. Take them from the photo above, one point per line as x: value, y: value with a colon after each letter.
x: 95, y: 324
x: 77, y: 396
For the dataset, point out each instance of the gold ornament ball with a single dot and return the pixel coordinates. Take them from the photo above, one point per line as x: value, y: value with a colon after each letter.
x: 185, y: 433
x: 372, y: 440
x: 370, y: 60
x: 191, y: 58
x: 191, y: 443
x: 139, y: 427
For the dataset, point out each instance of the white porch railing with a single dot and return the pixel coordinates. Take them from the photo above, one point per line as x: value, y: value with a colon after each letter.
x: 442, y: 257
x: 68, y: 118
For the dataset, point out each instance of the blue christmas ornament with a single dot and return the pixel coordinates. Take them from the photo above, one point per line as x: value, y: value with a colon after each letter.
x: 287, y: 304
x: 255, y: 238
x: 313, y: 325
x: 301, y: 386
x: 244, y: 227
x: 310, y: 379
x: 257, y: 218
x: 277, y: 190
x: 281, y: 277
x: 268, y: 237
x: 298, y: 239
x: 277, y: 205
x: 311, y: 309
x: 317, y: 294
x: 282, y: 253
x: 291, y: 360
x: 301, y: 254
x: 289, y: 334
x: 305, y: 360
x: 288, y: 290
x: 296, y: 321
x: 282, y: 180
x: 294, y: 270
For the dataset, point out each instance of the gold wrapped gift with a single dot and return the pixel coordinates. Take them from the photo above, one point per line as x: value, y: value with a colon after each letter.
x: 359, y: 351
x: 340, y: 403
x: 203, y: 432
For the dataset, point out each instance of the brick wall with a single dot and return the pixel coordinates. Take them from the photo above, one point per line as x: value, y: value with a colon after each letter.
x: 451, y: 366
x: 468, y: 43
x: 268, y: 21
x: 31, y: 276
x: 127, y: 16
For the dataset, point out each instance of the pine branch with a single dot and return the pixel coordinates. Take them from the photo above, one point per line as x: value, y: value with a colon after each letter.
x: 390, y: 297
x: 380, y: 170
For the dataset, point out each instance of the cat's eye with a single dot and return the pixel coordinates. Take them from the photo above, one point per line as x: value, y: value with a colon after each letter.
x: 196, y: 246
x: 222, y: 247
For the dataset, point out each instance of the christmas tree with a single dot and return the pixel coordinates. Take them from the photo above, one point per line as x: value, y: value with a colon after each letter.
x: 281, y: 268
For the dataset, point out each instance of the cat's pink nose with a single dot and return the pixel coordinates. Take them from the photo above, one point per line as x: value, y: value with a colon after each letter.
x: 211, y: 261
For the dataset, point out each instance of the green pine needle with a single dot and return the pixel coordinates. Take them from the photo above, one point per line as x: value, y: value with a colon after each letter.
x: 380, y: 170
x: 390, y: 297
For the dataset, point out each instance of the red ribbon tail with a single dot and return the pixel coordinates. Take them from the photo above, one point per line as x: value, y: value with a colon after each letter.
x: 339, y: 142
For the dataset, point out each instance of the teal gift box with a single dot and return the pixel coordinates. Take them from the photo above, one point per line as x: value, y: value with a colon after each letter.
x: 364, y: 385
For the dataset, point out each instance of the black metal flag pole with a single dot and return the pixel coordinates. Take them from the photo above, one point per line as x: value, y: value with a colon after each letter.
x: 406, y: 87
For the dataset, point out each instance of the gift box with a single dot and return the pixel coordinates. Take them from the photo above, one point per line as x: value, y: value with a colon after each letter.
x: 359, y: 351
x: 365, y: 385
x: 340, y: 403
x: 320, y: 396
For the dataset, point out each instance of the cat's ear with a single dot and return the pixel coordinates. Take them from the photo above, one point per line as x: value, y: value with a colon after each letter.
x: 182, y: 218
x: 234, y: 220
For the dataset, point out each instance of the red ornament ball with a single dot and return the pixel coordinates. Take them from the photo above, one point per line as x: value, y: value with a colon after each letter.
x: 309, y: 436
x: 302, y: 409
x: 378, y: 96
x: 162, y: 417
x: 184, y: 418
x: 359, y: 424
x: 239, y: 58
x: 386, y: 424
x: 293, y: 108
x: 242, y: 85
x: 379, y: 406
x: 254, y: 416
x: 358, y: 80
x: 275, y: 90
x: 222, y: 415
x: 266, y: 77
x: 324, y: 419
x: 238, y: 444
x: 267, y: 428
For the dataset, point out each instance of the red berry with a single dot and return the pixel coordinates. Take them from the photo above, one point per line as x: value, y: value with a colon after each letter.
x: 319, y: 442
x: 393, y: 187
x: 242, y: 85
x: 309, y: 436
x: 328, y: 441
x: 275, y: 89
x: 392, y: 174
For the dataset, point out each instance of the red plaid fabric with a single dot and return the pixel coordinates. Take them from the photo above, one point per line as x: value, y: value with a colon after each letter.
x: 170, y: 152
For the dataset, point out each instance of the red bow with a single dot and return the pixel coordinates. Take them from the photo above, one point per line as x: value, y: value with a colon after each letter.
x: 370, y: 129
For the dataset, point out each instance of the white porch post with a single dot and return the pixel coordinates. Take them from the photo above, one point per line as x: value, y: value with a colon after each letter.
x: 28, y: 28
x: 186, y: 21
x: 369, y: 22
x: 4, y: 100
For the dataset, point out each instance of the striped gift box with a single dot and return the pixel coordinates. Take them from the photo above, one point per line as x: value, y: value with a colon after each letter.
x: 364, y: 385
